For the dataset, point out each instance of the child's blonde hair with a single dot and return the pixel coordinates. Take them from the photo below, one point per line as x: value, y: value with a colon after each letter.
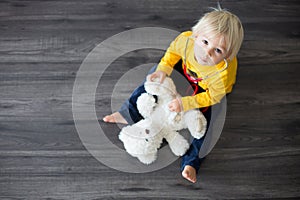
x: 222, y: 22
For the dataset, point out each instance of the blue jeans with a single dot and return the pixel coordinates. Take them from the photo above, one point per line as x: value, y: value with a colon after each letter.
x: 131, y: 114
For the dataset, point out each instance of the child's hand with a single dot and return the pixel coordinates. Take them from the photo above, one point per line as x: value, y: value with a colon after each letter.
x: 157, y: 74
x: 175, y: 105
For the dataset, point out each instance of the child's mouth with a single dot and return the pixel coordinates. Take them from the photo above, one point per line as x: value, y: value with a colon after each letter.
x: 204, y: 61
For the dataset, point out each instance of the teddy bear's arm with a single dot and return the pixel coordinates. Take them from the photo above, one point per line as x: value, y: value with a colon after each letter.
x: 196, y: 123
x: 145, y: 104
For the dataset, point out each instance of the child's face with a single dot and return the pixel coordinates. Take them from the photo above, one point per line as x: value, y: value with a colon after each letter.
x: 210, y: 51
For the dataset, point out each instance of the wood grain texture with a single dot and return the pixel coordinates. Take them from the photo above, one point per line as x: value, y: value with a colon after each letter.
x: 42, y: 45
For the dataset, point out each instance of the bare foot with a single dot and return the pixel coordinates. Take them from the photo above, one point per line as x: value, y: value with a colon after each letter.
x: 189, y: 173
x: 116, y: 117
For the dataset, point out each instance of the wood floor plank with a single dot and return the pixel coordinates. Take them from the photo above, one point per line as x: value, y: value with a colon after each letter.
x: 43, y: 44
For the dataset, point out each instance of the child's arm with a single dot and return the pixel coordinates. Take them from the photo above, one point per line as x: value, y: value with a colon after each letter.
x: 174, y: 53
x: 169, y: 60
x: 201, y: 100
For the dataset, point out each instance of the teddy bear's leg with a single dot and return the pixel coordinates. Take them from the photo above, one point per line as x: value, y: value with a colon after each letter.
x: 148, y: 158
x: 196, y: 123
x: 145, y: 104
x: 177, y: 143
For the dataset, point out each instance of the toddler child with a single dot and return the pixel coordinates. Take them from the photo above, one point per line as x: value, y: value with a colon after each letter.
x: 206, y: 57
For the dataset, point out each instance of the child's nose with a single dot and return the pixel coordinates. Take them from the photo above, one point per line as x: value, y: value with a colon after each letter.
x: 209, y: 52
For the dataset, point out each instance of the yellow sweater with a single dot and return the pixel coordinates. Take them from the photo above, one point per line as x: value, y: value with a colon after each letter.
x: 216, y: 85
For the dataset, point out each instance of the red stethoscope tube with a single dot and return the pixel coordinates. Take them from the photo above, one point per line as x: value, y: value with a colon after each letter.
x: 193, y: 81
x: 194, y: 84
x: 189, y: 77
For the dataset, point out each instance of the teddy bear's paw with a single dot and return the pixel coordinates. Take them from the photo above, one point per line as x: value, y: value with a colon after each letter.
x: 197, y: 125
x: 178, y: 145
x: 147, y: 158
x: 198, y: 132
x: 201, y: 126
x: 198, y: 135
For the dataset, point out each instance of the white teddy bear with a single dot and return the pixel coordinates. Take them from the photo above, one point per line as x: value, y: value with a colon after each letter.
x: 143, y: 139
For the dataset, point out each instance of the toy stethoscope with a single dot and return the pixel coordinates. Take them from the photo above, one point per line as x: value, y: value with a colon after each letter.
x: 194, y: 81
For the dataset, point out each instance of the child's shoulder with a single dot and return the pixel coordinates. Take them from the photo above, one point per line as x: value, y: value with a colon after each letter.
x: 183, y: 36
x: 186, y: 33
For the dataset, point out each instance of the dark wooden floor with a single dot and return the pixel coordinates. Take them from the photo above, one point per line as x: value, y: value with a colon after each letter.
x: 42, y: 45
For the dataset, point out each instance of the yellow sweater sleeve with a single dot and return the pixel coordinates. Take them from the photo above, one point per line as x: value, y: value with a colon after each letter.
x: 172, y: 55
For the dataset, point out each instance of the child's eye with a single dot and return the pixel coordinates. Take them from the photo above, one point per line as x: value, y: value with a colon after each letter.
x: 205, y: 42
x: 219, y: 51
